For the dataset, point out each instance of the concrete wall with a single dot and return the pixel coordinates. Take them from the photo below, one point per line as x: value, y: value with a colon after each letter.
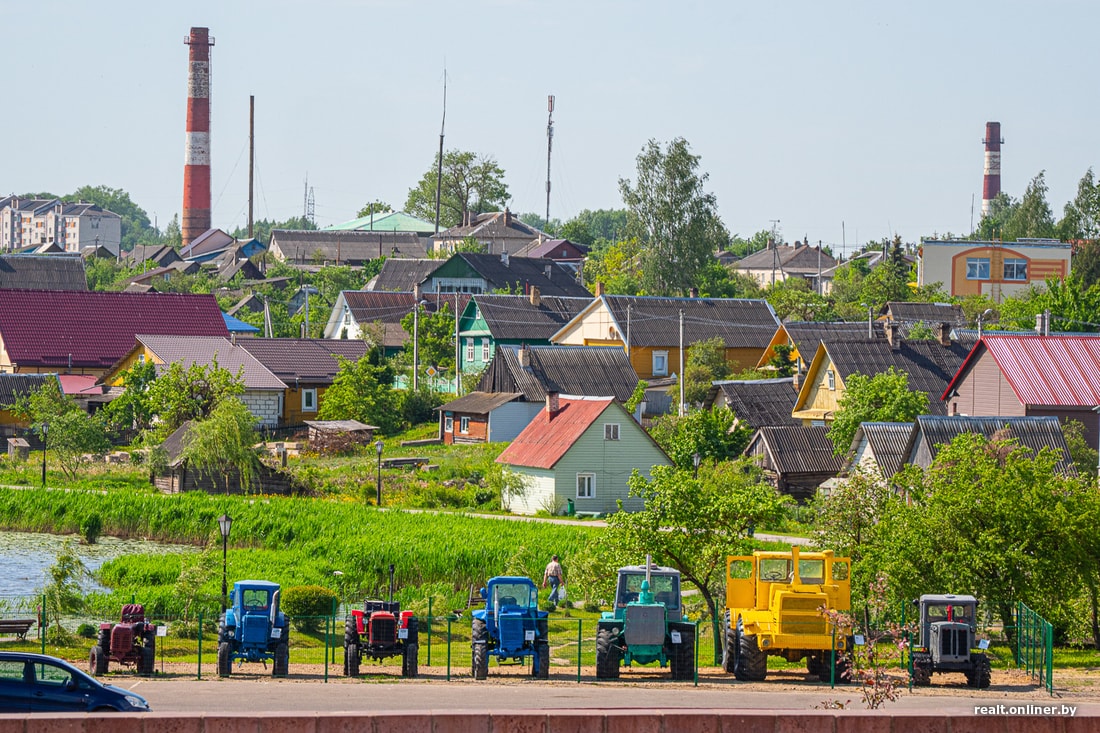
x: 634, y: 721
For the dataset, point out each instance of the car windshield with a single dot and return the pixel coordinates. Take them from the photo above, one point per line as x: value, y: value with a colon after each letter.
x: 254, y: 600
x: 513, y: 594
x: 665, y: 588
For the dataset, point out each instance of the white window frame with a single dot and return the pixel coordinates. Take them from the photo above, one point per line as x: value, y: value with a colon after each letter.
x: 975, y: 266
x: 309, y: 399
x: 611, y: 431
x: 586, y: 486
x: 449, y: 424
x: 830, y: 379
x: 464, y: 424
x: 1017, y: 266
x: 469, y: 349
x: 663, y: 371
x: 485, y: 349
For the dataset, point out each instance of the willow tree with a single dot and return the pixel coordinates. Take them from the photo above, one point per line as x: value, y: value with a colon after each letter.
x: 222, y: 445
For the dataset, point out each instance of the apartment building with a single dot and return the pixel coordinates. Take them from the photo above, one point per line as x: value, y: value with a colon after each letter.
x: 28, y: 223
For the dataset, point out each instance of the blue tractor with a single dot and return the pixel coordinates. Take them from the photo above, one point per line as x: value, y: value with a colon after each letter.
x: 253, y: 628
x: 647, y: 624
x: 511, y: 626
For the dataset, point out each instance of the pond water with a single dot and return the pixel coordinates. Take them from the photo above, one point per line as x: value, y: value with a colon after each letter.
x: 26, y: 556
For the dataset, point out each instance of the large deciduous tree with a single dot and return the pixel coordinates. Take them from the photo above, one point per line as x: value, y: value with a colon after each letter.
x: 674, y: 217
x: 68, y: 432
x: 884, y: 397
x: 180, y: 394
x: 362, y: 391
x: 710, y: 433
x: 221, y: 446
x: 1033, y: 216
x: 471, y: 184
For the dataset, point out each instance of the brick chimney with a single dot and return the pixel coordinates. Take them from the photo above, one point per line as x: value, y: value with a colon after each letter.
x: 943, y: 334
x: 893, y: 334
x: 507, y: 217
x: 524, y: 355
x: 536, y: 299
x: 599, y: 289
x: 551, y: 405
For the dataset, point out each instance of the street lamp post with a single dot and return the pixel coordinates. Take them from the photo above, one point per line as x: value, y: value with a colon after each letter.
x: 379, y: 445
x: 45, y: 442
x: 225, y: 523
x: 696, y: 459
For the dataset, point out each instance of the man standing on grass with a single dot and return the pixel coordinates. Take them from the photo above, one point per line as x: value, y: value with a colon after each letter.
x: 556, y: 577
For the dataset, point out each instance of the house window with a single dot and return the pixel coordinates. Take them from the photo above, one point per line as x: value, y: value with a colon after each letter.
x: 1016, y: 269
x: 309, y: 400
x: 660, y: 363
x: 611, y: 431
x: 448, y: 424
x: 469, y: 349
x: 586, y: 485
x: 464, y: 424
x: 830, y: 377
x: 977, y: 268
x: 485, y: 349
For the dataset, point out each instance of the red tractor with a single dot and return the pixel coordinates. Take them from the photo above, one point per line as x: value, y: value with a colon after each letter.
x: 381, y: 630
x: 131, y: 641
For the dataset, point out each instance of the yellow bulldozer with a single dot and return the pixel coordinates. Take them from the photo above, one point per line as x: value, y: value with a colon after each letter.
x: 775, y: 603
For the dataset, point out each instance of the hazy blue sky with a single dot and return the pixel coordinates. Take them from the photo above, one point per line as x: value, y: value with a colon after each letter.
x: 869, y: 114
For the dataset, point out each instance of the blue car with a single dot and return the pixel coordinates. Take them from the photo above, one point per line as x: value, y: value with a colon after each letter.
x: 33, y: 683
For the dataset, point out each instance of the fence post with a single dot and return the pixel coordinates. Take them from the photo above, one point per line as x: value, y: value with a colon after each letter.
x: 328, y: 623
x: 448, y: 648
x: 429, y: 631
x: 696, y: 650
x: 717, y: 641
x: 200, y: 646
x: 832, y: 670
x: 579, y: 623
x: 909, y: 654
x: 42, y: 623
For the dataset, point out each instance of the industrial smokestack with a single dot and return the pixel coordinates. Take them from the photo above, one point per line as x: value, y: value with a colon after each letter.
x: 196, y: 166
x: 992, y: 183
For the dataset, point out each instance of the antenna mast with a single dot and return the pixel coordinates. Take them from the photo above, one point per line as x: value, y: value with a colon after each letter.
x: 549, y: 145
x: 439, y: 168
x: 251, y: 156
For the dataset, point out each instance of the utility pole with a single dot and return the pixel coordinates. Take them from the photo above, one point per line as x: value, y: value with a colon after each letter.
x: 251, y: 157
x: 439, y: 168
x: 549, y: 144
x: 416, y: 337
x: 458, y: 348
x: 682, y: 362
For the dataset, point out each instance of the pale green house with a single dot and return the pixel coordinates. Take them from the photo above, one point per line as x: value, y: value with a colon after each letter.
x: 577, y: 454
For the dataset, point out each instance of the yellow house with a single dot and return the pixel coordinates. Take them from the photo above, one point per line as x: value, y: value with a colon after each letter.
x: 651, y: 329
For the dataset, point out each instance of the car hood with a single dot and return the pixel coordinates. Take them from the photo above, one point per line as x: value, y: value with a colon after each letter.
x: 122, y: 691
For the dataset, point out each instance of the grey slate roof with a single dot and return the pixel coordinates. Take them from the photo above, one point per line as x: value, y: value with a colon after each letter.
x: 758, y: 403
x: 479, y: 403
x: 928, y: 365
x: 346, y: 247
x: 368, y: 307
x: 888, y: 441
x: 305, y: 360
x: 591, y: 371
x: 800, y: 450
x: 550, y: 277
x: 14, y: 386
x: 927, y: 313
x: 402, y: 275
x: 42, y: 272
x: 1035, y: 433
x: 655, y: 321
x: 514, y: 317
x: 798, y: 259
x: 188, y: 350
x: 806, y: 335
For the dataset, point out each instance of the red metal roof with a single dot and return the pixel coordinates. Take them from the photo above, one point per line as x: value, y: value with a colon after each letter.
x: 53, y: 329
x: 544, y: 441
x: 1043, y: 370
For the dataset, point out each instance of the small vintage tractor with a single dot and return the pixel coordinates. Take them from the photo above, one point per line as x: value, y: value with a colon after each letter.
x: 774, y: 606
x: 510, y: 627
x: 381, y: 630
x: 131, y: 641
x: 647, y: 624
x: 253, y: 628
x: 948, y: 624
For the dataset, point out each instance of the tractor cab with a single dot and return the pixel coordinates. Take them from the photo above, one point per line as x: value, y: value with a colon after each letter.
x: 947, y: 627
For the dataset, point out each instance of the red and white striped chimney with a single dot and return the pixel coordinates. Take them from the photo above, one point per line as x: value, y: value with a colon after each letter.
x: 196, y: 165
x: 992, y: 183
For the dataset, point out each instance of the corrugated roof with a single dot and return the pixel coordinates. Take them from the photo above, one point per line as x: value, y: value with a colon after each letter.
x: 14, y: 386
x: 1034, y: 433
x: 927, y: 313
x: 888, y: 441
x: 655, y: 321
x: 547, y: 438
x: 388, y: 308
x: 95, y: 329
x: 204, y: 350
x: 760, y: 403
x: 806, y: 335
x: 514, y: 317
x: 345, y: 246
x: 480, y: 403
x: 402, y: 275
x: 307, y: 360
x: 594, y: 371
x: 548, y: 248
x: 42, y: 272
x: 522, y: 272
x: 801, y: 450
x: 786, y: 258
x: 391, y: 221
x: 1044, y: 370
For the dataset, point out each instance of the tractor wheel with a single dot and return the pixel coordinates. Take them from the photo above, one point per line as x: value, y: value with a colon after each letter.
x: 103, y: 641
x: 751, y: 664
x: 409, y: 667
x: 414, y: 631
x: 541, y: 668
x: 922, y: 672
x: 225, y: 659
x: 843, y: 668
x: 97, y: 661
x: 608, y: 654
x: 683, y: 655
x: 479, y: 658
x: 351, y: 631
x: 980, y: 674
x: 814, y: 664
x: 148, y: 662
x: 280, y: 667
x: 729, y: 650
x: 351, y: 660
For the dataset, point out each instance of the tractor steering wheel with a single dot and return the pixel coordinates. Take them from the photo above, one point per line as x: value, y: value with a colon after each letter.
x: 773, y: 575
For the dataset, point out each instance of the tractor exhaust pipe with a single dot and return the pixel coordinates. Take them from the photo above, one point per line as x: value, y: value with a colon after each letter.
x: 391, y: 582
x: 648, y: 562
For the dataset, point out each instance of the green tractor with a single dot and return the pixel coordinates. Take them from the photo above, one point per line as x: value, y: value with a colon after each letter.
x: 647, y: 624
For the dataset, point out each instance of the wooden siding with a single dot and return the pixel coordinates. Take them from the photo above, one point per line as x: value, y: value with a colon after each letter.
x: 266, y: 481
x: 821, y: 402
x: 292, y: 404
x: 539, y: 492
x: 984, y: 390
x: 509, y: 420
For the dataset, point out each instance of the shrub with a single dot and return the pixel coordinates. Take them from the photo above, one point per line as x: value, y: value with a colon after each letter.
x: 87, y: 631
x: 91, y: 527
x: 306, y: 603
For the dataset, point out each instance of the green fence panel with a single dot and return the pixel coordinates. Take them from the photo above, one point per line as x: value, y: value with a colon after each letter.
x: 1035, y: 646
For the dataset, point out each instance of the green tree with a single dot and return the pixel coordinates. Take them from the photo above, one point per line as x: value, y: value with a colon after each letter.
x: 794, y: 300
x: 673, y: 216
x: 710, y: 433
x: 589, y: 227
x: 471, y: 184
x: 135, y: 225
x: 68, y: 431
x: 180, y: 394
x: 62, y: 593
x: 436, y: 334
x: 133, y: 410
x: 1081, y: 217
x: 376, y: 208
x: 994, y: 225
x: 782, y: 362
x: 104, y: 274
x: 618, y: 265
x: 883, y: 397
x: 717, y: 281
x: 221, y: 445
x: 262, y: 228
x: 889, y: 282
x: 361, y: 391
x: 692, y: 524
x: 1033, y: 217
x: 705, y: 362
x: 1072, y: 305
x: 552, y: 227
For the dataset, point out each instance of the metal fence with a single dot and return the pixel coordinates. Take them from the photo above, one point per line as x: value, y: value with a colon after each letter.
x: 1035, y: 646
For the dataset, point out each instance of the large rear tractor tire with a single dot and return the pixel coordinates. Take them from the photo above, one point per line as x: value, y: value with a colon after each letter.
x: 980, y: 674
x: 608, y: 654
x: 409, y: 666
x: 351, y: 660
x: 683, y: 655
x: 815, y: 664
x: 225, y: 659
x: 843, y: 668
x: 148, y: 663
x: 280, y: 667
x: 751, y: 664
x: 540, y: 669
x: 479, y: 650
x: 729, y: 649
x: 97, y: 661
x: 922, y: 673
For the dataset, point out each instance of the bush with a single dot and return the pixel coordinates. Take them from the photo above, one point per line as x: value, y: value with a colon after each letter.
x: 91, y: 528
x: 306, y: 603
x: 87, y: 631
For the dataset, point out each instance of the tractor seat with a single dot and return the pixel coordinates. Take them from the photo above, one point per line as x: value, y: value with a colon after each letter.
x: 508, y: 601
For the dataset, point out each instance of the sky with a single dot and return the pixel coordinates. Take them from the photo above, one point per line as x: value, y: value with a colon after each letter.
x: 841, y: 122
